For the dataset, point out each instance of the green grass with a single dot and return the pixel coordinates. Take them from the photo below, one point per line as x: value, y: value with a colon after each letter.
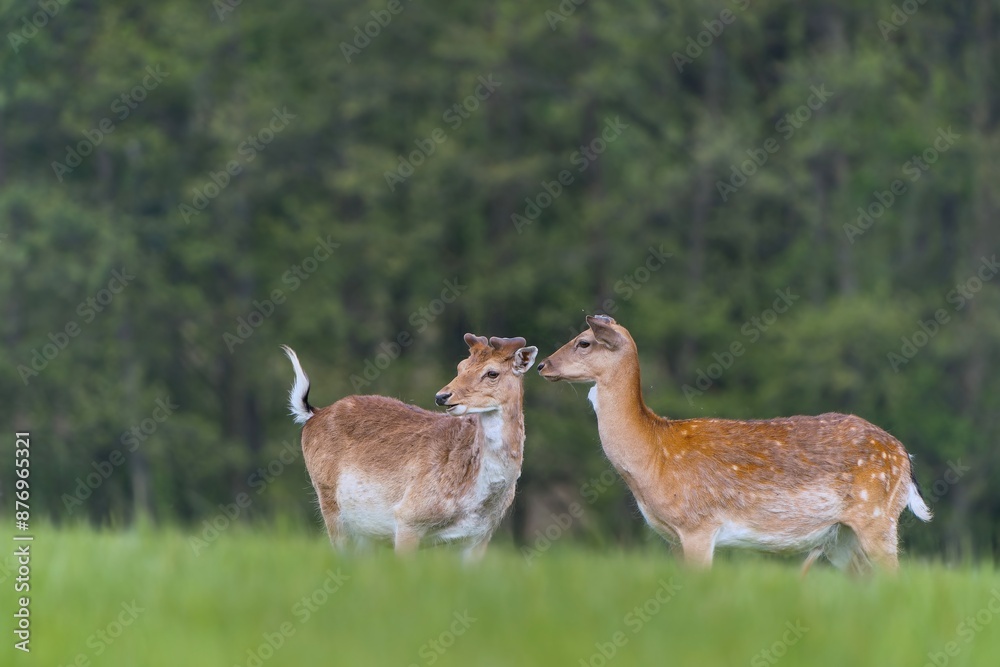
x: 214, y: 608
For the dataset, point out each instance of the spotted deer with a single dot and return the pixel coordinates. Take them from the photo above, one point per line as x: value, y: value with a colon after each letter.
x: 830, y: 485
x: 386, y: 470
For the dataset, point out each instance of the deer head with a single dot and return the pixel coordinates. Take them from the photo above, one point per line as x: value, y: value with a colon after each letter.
x: 490, y: 377
x: 597, y: 353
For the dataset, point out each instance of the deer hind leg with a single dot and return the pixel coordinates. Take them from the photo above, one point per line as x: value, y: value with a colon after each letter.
x: 839, y: 545
x: 879, y: 542
x: 844, y: 552
x: 811, y: 558
x: 331, y: 516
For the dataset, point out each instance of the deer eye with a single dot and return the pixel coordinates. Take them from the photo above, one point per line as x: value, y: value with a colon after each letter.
x: 493, y: 375
x: 583, y: 343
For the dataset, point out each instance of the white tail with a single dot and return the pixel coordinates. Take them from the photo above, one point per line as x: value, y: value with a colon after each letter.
x: 298, y: 397
x: 387, y: 470
x: 789, y: 484
x: 917, y: 504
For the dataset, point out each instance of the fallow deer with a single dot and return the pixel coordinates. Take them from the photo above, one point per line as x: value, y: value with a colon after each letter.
x: 830, y: 485
x: 383, y: 469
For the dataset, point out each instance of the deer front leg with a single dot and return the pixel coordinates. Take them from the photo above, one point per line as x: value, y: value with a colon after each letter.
x: 407, y: 539
x: 475, y: 551
x: 698, y: 546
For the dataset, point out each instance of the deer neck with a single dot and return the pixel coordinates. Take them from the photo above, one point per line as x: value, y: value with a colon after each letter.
x: 503, y: 431
x: 626, y: 425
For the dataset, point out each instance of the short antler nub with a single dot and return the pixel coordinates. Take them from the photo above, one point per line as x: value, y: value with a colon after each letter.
x: 473, y: 340
x: 499, y: 344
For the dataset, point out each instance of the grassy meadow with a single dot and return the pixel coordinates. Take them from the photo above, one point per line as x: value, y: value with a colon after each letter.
x: 284, y: 598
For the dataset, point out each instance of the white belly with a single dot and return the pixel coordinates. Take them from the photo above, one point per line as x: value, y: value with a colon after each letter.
x: 733, y: 534
x: 364, y: 508
x: 368, y: 510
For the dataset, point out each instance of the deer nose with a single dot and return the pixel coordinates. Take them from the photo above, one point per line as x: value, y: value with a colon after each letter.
x: 442, y: 399
x: 541, y: 366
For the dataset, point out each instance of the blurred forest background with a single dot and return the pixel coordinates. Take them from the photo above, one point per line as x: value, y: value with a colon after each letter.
x: 367, y: 181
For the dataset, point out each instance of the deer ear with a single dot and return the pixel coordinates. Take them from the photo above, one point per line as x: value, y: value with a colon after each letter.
x: 472, y: 340
x: 603, y: 331
x: 524, y: 359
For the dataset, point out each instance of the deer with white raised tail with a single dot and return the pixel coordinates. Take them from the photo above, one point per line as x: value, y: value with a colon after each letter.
x: 386, y: 470
x: 830, y: 485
